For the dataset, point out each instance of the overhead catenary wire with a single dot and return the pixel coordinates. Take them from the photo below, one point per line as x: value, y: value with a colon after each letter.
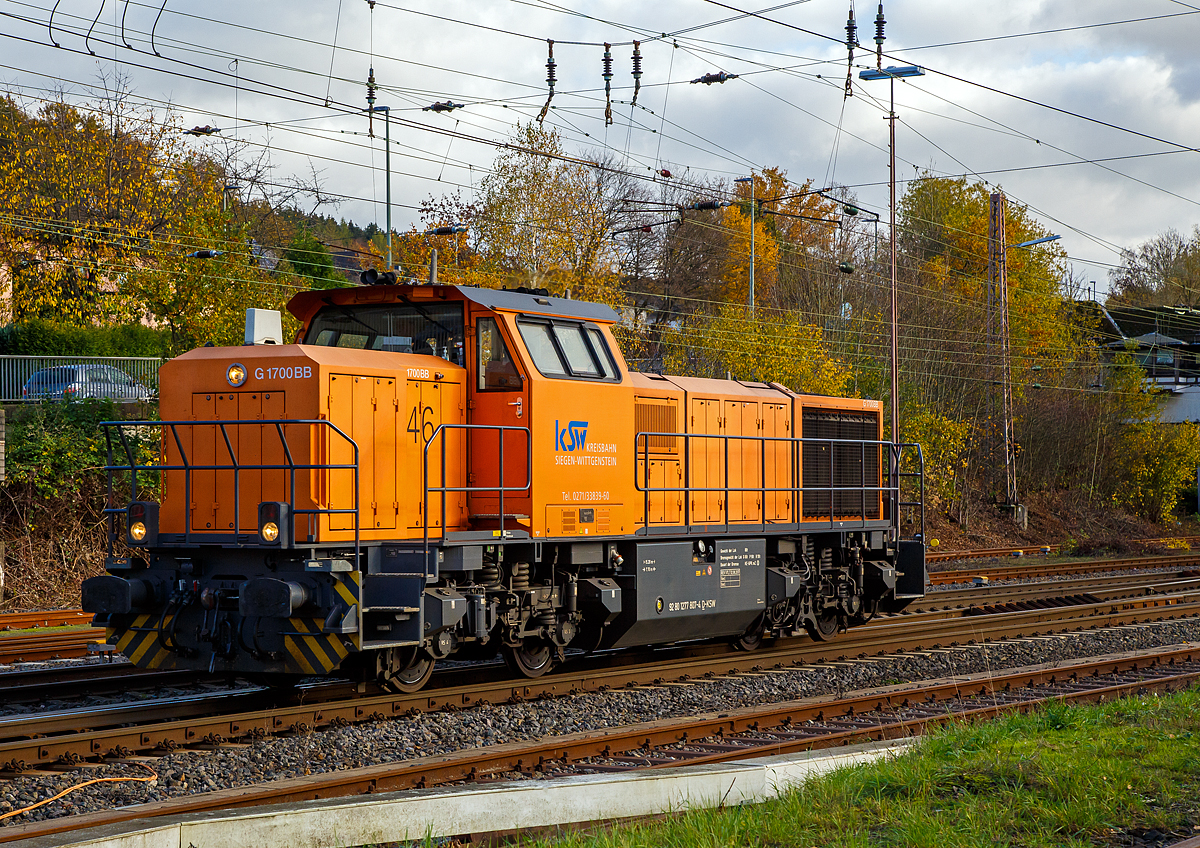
x: 660, y: 140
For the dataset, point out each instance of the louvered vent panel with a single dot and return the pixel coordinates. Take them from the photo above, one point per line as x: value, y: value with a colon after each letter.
x: 852, y: 465
x: 655, y: 415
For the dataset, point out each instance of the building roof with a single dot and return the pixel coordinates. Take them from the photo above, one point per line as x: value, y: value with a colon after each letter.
x: 1149, y: 340
x: 1182, y: 324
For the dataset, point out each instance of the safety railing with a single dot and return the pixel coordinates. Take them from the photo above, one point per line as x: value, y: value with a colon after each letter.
x: 16, y: 371
x: 792, y: 450
x: 896, y: 463
x: 125, y: 438
x: 500, y: 488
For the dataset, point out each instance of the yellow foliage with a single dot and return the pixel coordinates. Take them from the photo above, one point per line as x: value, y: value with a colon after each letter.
x: 735, y: 277
x: 1157, y: 460
x: 543, y: 214
x: 945, y: 446
x: 757, y: 346
x: 84, y: 199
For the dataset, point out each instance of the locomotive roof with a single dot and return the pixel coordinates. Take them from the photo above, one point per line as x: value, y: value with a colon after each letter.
x: 305, y: 304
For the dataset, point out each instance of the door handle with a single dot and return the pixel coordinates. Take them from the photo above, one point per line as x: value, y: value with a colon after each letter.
x: 519, y: 403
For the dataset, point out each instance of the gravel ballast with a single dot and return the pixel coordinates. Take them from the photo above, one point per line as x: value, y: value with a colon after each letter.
x: 394, y: 740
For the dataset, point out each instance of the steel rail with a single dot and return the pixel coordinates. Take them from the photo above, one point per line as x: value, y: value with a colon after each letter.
x: 43, y: 618
x: 984, y: 553
x: 37, y: 647
x: 90, y: 741
x: 1050, y: 568
x: 1110, y: 585
x: 74, y: 680
x: 889, y: 713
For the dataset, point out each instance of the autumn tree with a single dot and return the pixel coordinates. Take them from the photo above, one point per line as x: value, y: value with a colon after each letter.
x: 1164, y: 271
x: 199, y: 285
x: 547, y: 216
x: 85, y: 196
x: 951, y: 362
x: 760, y: 345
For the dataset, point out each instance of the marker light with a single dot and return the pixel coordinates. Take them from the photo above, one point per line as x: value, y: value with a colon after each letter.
x: 137, y: 531
x: 236, y: 375
x: 269, y: 531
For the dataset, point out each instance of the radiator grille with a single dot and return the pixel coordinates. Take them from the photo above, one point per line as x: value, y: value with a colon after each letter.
x: 853, y: 465
x: 568, y: 521
x: 652, y: 415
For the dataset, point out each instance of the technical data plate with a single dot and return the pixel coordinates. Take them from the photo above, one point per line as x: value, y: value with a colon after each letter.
x: 741, y: 573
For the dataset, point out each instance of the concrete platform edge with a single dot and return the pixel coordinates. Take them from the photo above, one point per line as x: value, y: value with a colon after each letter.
x: 454, y: 810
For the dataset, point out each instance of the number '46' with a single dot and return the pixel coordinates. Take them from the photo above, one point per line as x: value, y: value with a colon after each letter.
x: 423, y: 428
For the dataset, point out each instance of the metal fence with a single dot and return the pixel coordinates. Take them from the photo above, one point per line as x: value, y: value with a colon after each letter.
x: 15, y: 371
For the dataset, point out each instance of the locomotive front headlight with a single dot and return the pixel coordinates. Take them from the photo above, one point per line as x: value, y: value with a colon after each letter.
x: 141, y: 523
x: 236, y: 374
x: 274, y: 523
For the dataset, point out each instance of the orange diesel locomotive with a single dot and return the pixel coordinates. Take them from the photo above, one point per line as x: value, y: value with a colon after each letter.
x: 437, y: 470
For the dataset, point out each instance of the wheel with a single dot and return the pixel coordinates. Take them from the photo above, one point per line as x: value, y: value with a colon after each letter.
x: 587, y: 639
x: 825, y: 628
x: 532, y: 658
x: 752, y: 638
x: 408, y: 675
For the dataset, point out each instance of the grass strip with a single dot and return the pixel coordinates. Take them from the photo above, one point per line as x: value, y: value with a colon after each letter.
x: 1088, y: 775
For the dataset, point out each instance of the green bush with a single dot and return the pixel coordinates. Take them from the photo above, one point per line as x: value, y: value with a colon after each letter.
x: 57, y: 449
x: 45, y: 338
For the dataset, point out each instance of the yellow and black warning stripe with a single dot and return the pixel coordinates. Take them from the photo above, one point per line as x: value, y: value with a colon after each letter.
x: 308, y: 650
x: 140, y: 642
x: 348, y: 586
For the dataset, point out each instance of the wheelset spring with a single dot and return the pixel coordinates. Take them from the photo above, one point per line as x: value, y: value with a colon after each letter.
x: 520, y: 576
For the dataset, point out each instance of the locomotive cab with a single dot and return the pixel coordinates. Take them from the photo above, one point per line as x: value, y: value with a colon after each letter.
x: 436, y: 470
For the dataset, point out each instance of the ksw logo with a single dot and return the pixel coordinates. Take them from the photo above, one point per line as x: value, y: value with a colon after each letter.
x: 570, y: 438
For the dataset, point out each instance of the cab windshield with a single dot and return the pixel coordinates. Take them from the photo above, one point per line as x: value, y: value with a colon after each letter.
x: 434, y: 329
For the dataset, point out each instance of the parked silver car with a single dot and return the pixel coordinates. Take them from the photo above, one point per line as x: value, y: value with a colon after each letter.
x: 84, y: 381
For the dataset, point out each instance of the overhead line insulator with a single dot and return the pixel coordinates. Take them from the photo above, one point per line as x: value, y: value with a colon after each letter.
x: 607, y: 75
x: 637, y: 70
x: 880, y: 21
x: 551, y: 78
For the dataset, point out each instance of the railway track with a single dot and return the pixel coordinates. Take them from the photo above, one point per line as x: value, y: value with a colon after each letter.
x: 889, y: 713
x: 87, y: 734
x: 46, y: 635
x: 1048, y: 568
x: 1055, y: 593
x: 57, y: 684
x: 20, y: 641
x: 52, y: 684
x: 1029, y: 550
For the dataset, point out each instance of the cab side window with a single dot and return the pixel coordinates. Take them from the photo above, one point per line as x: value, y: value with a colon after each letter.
x: 495, y: 367
x: 568, y: 350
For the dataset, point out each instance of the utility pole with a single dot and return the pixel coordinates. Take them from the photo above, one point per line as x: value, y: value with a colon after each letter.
x: 890, y: 74
x: 998, y: 332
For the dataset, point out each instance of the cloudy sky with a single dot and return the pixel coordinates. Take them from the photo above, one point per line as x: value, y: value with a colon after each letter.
x: 1084, y: 111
